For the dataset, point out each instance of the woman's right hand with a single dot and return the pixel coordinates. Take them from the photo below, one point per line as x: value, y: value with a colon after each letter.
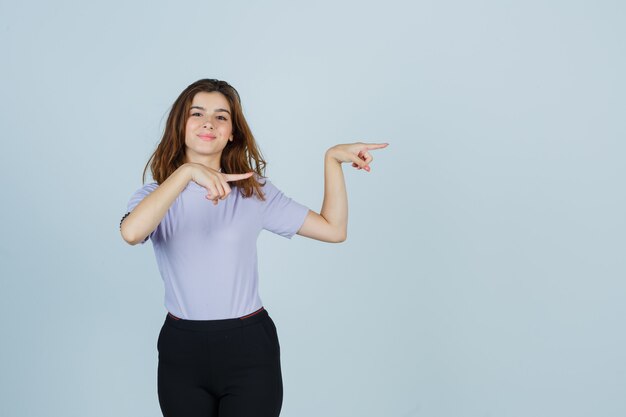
x: 214, y: 181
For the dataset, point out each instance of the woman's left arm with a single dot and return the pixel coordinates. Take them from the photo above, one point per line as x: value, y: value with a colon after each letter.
x: 331, y: 224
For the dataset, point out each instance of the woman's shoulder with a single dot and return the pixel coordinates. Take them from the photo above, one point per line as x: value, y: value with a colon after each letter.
x: 146, y: 188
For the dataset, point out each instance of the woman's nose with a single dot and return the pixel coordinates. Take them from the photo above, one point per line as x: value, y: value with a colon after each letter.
x: 207, y: 123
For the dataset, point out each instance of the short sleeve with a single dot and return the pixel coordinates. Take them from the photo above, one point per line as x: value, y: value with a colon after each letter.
x: 281, y: 214
x: 134, y: 201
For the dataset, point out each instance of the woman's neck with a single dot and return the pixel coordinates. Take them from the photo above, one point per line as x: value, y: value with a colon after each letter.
x: 213, y: 164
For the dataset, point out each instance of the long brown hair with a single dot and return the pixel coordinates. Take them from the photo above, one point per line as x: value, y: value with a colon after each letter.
x: 239, y: 156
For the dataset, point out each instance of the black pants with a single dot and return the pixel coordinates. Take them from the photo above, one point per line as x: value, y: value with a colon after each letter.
x: 225, y: 368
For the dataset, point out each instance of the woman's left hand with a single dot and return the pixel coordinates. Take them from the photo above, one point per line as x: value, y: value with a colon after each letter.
x: 357, y: 153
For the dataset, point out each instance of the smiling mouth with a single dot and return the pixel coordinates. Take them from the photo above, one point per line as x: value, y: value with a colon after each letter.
x: 206, y: 137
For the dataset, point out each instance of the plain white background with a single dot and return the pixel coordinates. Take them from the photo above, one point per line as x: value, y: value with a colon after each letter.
x: 484, y: 269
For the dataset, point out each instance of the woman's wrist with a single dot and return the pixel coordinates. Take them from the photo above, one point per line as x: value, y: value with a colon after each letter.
x: 329, y: 156
x: 187, y: 169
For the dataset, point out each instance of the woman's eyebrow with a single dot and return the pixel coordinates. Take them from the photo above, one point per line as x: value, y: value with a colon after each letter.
x: 203, y: 109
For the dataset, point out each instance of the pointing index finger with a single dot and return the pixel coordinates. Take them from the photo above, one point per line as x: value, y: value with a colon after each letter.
x: 376, y: 145
x: 236, y: 177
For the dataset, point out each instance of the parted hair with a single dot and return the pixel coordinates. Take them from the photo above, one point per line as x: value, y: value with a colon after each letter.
x: 239, y: 156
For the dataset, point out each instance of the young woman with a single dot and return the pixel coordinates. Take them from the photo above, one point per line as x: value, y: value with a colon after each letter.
x: 218, y: 348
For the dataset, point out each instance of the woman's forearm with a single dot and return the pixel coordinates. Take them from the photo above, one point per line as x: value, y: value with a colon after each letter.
x: 147, y: 215
x: 335, y: 204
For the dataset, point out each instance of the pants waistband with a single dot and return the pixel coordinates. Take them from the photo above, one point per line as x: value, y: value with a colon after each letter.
x: 222, y: 324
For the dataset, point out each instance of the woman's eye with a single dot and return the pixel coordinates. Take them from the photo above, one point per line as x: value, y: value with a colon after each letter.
x: 196, y: 114
x: 222, y: 118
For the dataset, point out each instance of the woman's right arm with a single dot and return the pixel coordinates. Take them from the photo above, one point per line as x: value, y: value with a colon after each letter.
x: 147, y: 215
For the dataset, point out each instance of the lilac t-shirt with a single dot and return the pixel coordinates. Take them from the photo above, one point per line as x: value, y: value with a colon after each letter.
x: 207, y: 254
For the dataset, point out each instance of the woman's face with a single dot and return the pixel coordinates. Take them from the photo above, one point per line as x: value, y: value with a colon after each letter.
x: 209, y: 126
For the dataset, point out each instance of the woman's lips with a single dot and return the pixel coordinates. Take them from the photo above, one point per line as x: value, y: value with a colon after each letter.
x: 206, y: 137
